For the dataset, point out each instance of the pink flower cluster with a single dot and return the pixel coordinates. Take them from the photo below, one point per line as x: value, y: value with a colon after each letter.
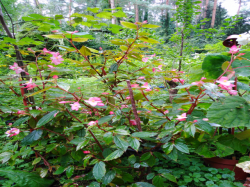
x: 93, y: 101
x: 158, y: 69
x: 75, y: 106
x: 91, y: 123
x: 12, y: 132
x: 56, y: 57
x: 182, y: 117
x: 146, y: 85
x: 178, y: 80
x: 17, y: 69
x: 199, y: 83
x: 225, y: 84
x: 30, y: 85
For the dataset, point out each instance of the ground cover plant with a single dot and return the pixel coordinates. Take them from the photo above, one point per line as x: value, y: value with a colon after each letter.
x: 129, y: 118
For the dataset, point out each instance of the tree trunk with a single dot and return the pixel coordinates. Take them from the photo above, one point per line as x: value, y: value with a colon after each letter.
x: 205, y: 12
x: 214, y: 13
x: 112, y: 4
x: 238, y: 12
x: 136, y: 13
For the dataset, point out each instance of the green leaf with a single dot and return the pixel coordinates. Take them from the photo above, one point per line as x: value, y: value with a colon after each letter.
x: 64, y: 85
x: 70, y: 171
x: 59, y: 171
x: 33, y: 136
x: 54, y: 36
x: 82, y: 145
x: 145, y: 156
x: 40, y: 91
x: 113, y: 68
x: 127, y: 177
x: 149, y: 40
x: 116, y: 154
x: 38, y: 159
x: 150, y: 26
x: 119, y: 14
x: 45, y: 119
x: 168, y: 147
x: 173, y: 155
x: 169, y: 177
x: 94, y: 184
x: 50, y: 147
x: 243, y: 86
x: 43, y: 172
x: 150, y: 176
x: 212, y: 65
x: 121, y: 143
x: 5, y: 156
x: 234, y: 111
x: 99, y: 170
x: 128, y: 25
x: 85, y: 51
x: 223, y: 150
x: 81, y: 133
x: 131, y: 159
x: 108, y: 137
x: 104, y: 119
x: 143, y: 134
x: 80, y: 39
x: 205, y: 126
x: 158, y: 181
x: 122, y: 132
x: 134, y: 143
x: 94, y: 10
x: 25, y: 179
x: 181, y: 146
x: 118, y: 42
x: 35, y: 113
x: 109, y: 177
x: 21, y: 121
x: 142, y: 184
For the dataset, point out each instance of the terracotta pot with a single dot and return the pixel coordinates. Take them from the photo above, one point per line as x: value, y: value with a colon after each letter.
x: 226, y: 163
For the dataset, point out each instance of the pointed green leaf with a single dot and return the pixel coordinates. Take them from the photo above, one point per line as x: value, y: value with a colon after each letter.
x: 158, y: 181
x: 45, y: 119
x: 33, y: 136
x: 54, y: 36
x: 116, y: 154
x: 43, y: 172
x: 109, y: 177
x: 38, y: 159
x: 99, y: 170
x: 169, y: 177
x: 21, y: 121
x: 70, y: 171
x: 128, y: 25
x: 121, y: 143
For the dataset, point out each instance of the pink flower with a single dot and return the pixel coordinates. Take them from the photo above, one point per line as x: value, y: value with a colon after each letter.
x: 181, y: 71
x: 75, y: 106
x: 72, y: 32
x: 86, y: 152
x: 30, y: 85
x: 111, y: 112
x: 16, y: 68
x: 55, y: 77
x: 205, y: 119
x: 198, y: 83
x: 91, y: 123
x: 159, y: 68
x: 29, y: 49
x: 128, y: 97
x: 55, y: 31
x: 173, y: 70
x: 182, y: 117
x: 223, y: 87
x: 149, y: 111
x: 12, y: 132
x: 100, y: 104
x: 202, y: 78
x: 132, y: 122
x: 182, y: 81
x: 10, y: 124
x: 234, y: 49
x: 124, y: 106
x: 153, y: 55
x: 55, y: 114
x: 63, y: 102
x: 153, y: 69
x: 141, y: 78
x: 138, y: 111
x: 146, y: 85
x: 134, y: 85
x: 93, y: 101
x: 241, y: 54
x: 175, y: 80
x: 56, y: 59
x: 166, y: 112
x: 145, y: 59
x: 156, y: 90
x: 100, y: 48
x: 233, y: 92
x: 145, y: 22
x: 51, y: 67
x: 195, y: 121
x: 46, y: 51
x: 224, y: 81
x: 105, y: 93
x: 21, y: 112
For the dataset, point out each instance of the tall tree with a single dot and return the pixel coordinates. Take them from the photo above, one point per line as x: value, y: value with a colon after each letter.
x: 112, y: 4
x: 136, y: 12
x: 214, y: 14
x: 238, y: 12
x: 70, y: 7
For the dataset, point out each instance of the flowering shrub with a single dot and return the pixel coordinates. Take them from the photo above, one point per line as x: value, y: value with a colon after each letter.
x: 117, y: 136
